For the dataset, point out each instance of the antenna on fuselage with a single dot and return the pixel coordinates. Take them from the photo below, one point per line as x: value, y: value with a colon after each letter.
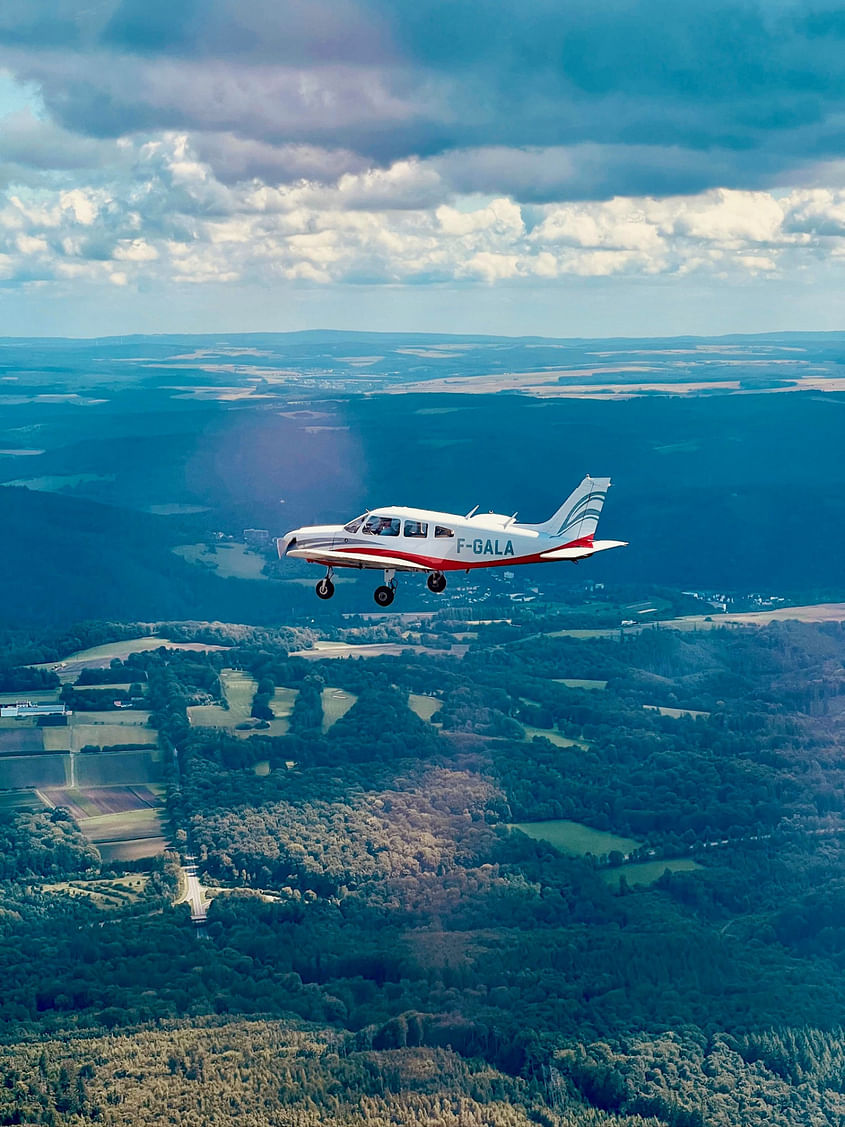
x: 471, y: 513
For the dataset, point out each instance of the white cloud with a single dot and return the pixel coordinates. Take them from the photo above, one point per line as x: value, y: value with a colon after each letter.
x: 174, y: 221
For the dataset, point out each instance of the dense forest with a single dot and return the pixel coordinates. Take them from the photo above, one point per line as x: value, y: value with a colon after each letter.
x: 384, y: 942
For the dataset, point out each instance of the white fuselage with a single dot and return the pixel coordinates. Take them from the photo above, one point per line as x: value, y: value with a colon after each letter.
x: 426, y: 540
x: 399, y: 539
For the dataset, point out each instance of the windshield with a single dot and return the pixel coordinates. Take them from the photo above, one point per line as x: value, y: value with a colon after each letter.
x: 354, y: 525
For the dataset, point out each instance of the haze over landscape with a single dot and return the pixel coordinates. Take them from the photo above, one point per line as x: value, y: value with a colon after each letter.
x: 556, y: 845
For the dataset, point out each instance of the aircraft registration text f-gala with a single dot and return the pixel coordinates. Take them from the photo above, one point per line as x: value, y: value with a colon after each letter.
x: 420, y: 540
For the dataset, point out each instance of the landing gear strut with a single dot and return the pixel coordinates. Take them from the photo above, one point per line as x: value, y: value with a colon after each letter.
x: 325, y: 588
x: 436, y: 582
x: 384, y: 595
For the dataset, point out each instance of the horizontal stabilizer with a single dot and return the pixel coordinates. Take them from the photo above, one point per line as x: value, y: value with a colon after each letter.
x: 581, y: 552
x: 355, y: 559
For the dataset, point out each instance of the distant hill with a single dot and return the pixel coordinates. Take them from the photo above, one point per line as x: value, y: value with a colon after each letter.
x: 133, y: 446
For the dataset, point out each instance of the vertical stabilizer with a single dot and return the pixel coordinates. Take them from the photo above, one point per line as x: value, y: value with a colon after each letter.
x: 578, y: 517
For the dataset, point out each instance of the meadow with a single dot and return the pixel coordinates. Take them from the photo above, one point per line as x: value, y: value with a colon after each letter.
x: 553, y: 736
x: 239, y: 690
x: 576, y: 838
x: 230, y: 561
x: 647, y: 872
x: 425, y: 707
x: 336, y: 703
x: 675, y: 713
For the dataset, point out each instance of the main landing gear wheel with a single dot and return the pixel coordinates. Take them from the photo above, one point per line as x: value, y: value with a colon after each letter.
x: 436, y: 582
x: 383, y: 596
x: 325, y: 588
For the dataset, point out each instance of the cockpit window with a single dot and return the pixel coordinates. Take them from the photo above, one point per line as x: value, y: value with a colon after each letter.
x: 354, y: 525
x: 441, y: 530
x: 416, y: 528
x: 382, y: 526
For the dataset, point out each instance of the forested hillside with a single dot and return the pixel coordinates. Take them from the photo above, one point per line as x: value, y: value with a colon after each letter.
x: 553, y: 880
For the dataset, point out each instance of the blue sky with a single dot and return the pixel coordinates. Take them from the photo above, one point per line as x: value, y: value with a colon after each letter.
x: 629, y: 167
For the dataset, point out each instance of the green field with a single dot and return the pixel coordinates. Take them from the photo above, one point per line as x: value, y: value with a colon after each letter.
x: 239, y: 690
x: 647, y: 872
x: 128, y: 825
x: 574, y: 837
x: 84, y: 734
x: 19, y: 772
x: 37, y: 696
x: 425, y: 707
x: 56, y: 739
x: 99, y: 656
x: 281, y: 706
x: 231, y: 561
x: 336, y: 703
x: 553, y: 736
x: 119, y: 718
x: 135, y: 850
x: 20, y: 801
x: 118, y: 687
x: 609, y: 632
x: 580, y: 682
x: 664, y: 710
x: 118, y: 649
x: 118, y: 768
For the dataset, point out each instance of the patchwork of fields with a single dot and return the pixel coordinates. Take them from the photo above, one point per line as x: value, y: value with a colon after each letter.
x: 125, y: 823
x: 239, y: 690
x: 112, y: 795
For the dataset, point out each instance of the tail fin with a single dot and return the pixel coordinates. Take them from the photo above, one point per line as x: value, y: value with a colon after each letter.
x: 578, y: 517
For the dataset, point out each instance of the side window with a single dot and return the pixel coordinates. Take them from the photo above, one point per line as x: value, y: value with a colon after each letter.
x: 441, y: 530
x: 416, y: 528
x: 382, y: 526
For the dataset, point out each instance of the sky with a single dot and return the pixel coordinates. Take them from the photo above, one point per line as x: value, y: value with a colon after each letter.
x: 629, y: 167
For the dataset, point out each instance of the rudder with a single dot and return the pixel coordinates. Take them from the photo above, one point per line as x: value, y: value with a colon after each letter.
x: 578, y: 517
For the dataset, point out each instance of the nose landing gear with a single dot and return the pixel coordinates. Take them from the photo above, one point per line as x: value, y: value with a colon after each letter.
x: 436, y: 582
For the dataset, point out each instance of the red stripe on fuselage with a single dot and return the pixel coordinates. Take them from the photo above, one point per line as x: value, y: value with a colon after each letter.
x: 448, y: 564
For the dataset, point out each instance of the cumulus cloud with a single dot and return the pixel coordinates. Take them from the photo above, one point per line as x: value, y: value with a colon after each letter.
x: 173, y: 220
x: 361, y: 141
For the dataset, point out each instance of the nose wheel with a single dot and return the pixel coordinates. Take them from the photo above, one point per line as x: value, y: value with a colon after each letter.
x: 325, y: 588
x: 436, y: 582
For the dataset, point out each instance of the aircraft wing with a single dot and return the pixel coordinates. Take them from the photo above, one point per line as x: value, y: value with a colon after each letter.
x: 356, y: 559
x: 581, y: 552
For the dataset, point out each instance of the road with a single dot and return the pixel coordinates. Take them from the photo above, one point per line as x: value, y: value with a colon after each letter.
x: 194, y: 893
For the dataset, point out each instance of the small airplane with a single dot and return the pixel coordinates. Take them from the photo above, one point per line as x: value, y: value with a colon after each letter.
x: 417, y: 540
